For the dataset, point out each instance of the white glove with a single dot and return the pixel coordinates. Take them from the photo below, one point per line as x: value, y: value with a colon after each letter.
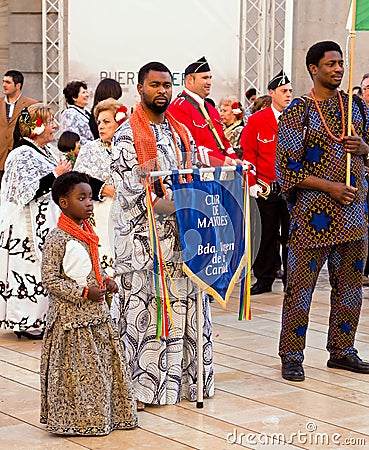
x: 250, y: 166
x: 254, y: 190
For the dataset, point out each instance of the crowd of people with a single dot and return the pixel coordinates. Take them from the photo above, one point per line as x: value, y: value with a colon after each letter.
x: 75, y: 234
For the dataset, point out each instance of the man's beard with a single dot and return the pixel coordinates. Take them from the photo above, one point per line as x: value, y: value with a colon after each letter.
x: 158, y: 109
x: 155, y: 108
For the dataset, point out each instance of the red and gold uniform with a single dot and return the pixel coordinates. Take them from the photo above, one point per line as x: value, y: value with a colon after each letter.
x: 259, y: 142
x: 186, y: 112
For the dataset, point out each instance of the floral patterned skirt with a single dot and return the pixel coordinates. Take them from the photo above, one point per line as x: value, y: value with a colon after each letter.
x: 86, y: 386
x: 163, y: 371
x: 23, y: 300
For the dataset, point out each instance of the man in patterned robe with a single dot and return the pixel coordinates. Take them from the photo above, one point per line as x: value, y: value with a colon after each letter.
x: 163, y: 370
x: 328, y: 217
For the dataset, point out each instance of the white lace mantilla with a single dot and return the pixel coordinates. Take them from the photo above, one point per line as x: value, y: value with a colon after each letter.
x: 77, y: 120
x: 24, y: 169
x: 94, y: 159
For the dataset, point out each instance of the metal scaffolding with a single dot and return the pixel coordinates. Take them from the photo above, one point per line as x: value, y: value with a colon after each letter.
x: 53, y: 54
x: 265, y: 46
x: 265, y: 35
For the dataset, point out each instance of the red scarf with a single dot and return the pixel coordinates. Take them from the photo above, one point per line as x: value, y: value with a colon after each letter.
x: 145, y: 142
x: 88, y: 235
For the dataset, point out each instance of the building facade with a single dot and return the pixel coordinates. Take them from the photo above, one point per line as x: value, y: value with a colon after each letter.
x: 23, y: 28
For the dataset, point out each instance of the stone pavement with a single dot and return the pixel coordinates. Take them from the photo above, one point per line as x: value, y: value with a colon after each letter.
x: 253, y: 406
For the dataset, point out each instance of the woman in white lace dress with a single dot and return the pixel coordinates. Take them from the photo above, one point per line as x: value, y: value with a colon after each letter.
x: 76, y: 117
x: 27, y: 214
x: 94, y: 159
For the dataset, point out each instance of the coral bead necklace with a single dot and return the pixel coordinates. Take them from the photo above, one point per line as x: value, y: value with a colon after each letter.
x: 338, y: 139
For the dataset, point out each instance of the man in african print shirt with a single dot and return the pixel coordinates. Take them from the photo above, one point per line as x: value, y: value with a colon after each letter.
x: 328, y: 218
x: 163, y: 370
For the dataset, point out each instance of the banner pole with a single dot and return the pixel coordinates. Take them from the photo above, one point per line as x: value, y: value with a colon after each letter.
x: 199, y: 321
x: 165, y: 173
x: 351, y: 75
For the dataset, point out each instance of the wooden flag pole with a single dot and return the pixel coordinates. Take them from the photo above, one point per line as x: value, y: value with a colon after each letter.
x: 351, y: 73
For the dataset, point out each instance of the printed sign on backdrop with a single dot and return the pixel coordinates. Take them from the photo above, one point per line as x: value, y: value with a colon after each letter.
x: 129, y: 25
x: 212, y: 231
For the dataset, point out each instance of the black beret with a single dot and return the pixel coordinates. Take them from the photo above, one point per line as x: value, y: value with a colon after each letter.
x: 201, y: 65
x: 279, y: 80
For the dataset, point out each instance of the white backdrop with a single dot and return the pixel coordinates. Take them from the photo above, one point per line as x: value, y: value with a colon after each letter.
x: 114, y: 38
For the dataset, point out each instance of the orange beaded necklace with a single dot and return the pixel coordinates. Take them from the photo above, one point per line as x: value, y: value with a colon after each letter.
x: 343, y: 121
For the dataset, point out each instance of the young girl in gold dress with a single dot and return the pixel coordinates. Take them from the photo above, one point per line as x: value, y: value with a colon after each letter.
x: 86, y: 386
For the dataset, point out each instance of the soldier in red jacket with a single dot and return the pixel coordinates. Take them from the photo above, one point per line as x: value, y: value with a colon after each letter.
x: 259, y: 141
x: 201, y: 118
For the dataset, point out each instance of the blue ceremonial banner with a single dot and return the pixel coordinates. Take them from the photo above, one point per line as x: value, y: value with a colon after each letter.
x: 212, y: 231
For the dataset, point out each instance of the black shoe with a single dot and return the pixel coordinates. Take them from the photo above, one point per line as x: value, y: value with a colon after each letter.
x: 32, y: 337
x: 349, y: 362
x: 293, y: 371
x: 259, y: 288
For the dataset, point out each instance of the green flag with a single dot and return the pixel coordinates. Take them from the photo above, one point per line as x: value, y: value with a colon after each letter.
x: 361, y: 16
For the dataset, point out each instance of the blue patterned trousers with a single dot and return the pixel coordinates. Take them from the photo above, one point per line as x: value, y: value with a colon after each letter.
x: 345, y: 266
